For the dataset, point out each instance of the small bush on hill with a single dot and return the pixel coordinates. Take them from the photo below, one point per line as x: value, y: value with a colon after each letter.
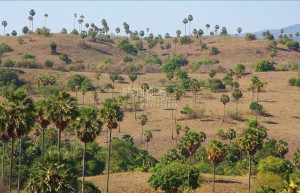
x: 185, y: 40
x: 79, y: 81
x: 9, y: 64
x: 250, y: 36
x: 293, y: 45
x: 65, y: 58
x: 153, y: 59
x: 127, y: 59
x: 173, y: 63
x: 216, y: 85
x: 74, y: 32
x: 4, y: 48
x: 8, y: 77
x: 127, y: 47
x: 214, y: 51
x: 263, y: 66
x: 43, y: 31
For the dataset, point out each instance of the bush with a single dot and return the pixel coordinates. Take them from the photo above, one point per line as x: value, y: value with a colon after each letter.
x: 8, y: 77
x: 216, y: 85
x: 297, y: 83
x: 43, y: 31
x: 49, y: 64
x: 214, y: 51
x: 292, y: 81
x: 79, y: 81
x: 65, y: 58
x: 153, y: 59
x: 89, y: 187
x: 173, y: 63
x: 4, y: 48
x: 74, y: 32
x: 127, y: 59
x: 28, y: 56
x: 269, y: 179
x: 293, y: 45
x: 263, y: 66
x: 20, y: 40
x: 250, y: 36
x: 127, y: 47
x: 203, y: 46
x: 185, y: 40
x: 206, y: 61
x: 9, y: 63
x: 275, y: 165
x: 53, y: 47
x: 173, y: 176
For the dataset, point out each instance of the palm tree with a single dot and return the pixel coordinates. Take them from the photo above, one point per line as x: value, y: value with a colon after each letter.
x: 83, y: 91
x: 190, y: 19
x: 259, y: 86
x: 224, y: 99
x: 178, y: 33
x: 132, y: 76
x: 4, y: 23
x: 281, y: 30
x: 185, y: 21
x: 3, y: 135
x: 32, y: 13
x: 98, y: 75
x: 143, y: 120
x: 175, y: 41
x: 88, y: 128
x: 41, y: 119
x: 230, y: 134
x: 30, y: 20
x: 296, y: 159
x: 237, y: 94
x: 207, y: 26
x: 281, y: 148
x: 61, y: 109
x: 111, y: 113
x: 117, y: 31
x: 75, y: 16
x: 148, y: 136
x: 195, y: 86
x: 113, y: 77
x: 177, y: 130
x: 216, y: 152
x: 216, y: 29
x: 251, y: 141
x: 239, y: 30
x: 147, y: 31
x: 45, y: 15
x: 189, y: 145
x: 83, y: 35
x: 20, y: 120
x: 87, y: 25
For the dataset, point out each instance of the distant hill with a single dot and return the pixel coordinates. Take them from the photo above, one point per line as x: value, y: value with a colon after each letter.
x: 287, y: 30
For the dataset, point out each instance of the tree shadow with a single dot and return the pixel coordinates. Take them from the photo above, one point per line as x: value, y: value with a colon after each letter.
x: 228, y: 181
x: 271, y: 122
x: 296, y: 117
x: 267, y: 101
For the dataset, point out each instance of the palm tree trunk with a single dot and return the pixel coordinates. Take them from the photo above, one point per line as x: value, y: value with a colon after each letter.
x: 142, y: 134
x: 32, y: 24
x: 236, y: 109
x: 252, y: 96
x: 249, y: 176
x: 172, y: 124
x: 214, y: 179
x: 20, y: 156
x: 257, y: 96
x: 112, y: 90
x: 83, y: 100
x: 43, y: 140
x: 83, y: 167
x: 11, y: 164
x: 224, y: 114
x: 119, y: 125
x: 189, y: 168
x: 58, y: 143
x: 3, y: 157
x: 147, y: 145
x: 108, y: 161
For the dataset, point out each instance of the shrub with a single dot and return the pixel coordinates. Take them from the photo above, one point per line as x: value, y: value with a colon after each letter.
x: 153, y: 90
x: 65, y: 58
x: 266, y: 189
x: 153, y: 59
x: 171, y: 177
x: 263, y: 66
x: 275, y: 165
x: 8, y: 77
x: 127, y: 47
x: 215, y: 85
x: 53, y: 47
x: 43, y: 31
x: 9, y: 63
x: 252, y: 123
x: 250, y: 36
x: 127, y: 59
x: 283, y: 40
x: 203, y: 46
x: 185, y: 40
x: 293, y: 45
x: 49, y: 64
x: 269, y: 179
x: 4, y: 48
x: 74, y: 32
x: 28, y: 56
x: 214, y: 51
x: 81, y: 82
x: 20, y: 40
x: 173, y: 63
x: 206, y: 61
x: 89, y: 187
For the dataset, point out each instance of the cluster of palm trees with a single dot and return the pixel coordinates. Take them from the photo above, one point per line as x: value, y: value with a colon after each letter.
x: 18, y: 115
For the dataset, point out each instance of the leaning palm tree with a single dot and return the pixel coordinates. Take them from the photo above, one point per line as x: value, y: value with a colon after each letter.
x: 4, y: 23
x: 32, y: 13
x: 224, y: 99
x: 88, y: 128
x: 46, y: 15
x: 20, y: 114
x: 216, y: 152
x: 251, y: 141
x: 147, y: 137
x: 41, y: 119
x: 188, y: 146
x: 185, y: 21
x: 111, y: 113
x: 143, y: 120
x: 61, y: 109
x: 190, y: 19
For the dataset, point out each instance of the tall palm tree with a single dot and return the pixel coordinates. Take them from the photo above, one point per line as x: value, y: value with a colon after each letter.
x: 189, y: 145
x: 148, y: 136
x: 83, y: 35
x: 21, y: 117
x: 190, y: 19
x: 216, y: 29
x: 224, y: 99
x: 75, y: 16
x: 230, y: 134
x: 88, y: 128
x: 259, y: 86
x: 251, y: 140
x: 111, y: 114
x: 143, y: 120
x: 32, y: 13
x: 195, y: 86
x: 237, y: 94
x: 185, y: 21
x: 178, y: 33
x: 4, y: 23
x: 132, y: 76
x: 61, y: 109
x: 98, y: 75
x: 30, y: 18
x: 177, y: 130
x: 216, y: 152
x: 46, y: 15
x: 87, y: 25
x: 239, y: 30
x: 113, y: 77
x: 41, y: 119
x: 175, y: 41
x: 3, y: 135
x: 117, y: 31
x: 207, y: 26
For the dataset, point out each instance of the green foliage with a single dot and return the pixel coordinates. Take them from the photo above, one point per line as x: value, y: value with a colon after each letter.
x: 252, y: 123
x: 8, y: 77
x: 187, y: 110
x: 275, y: 165
x: 250, y: 36
x: 46, y: 80
x: 206, y: 61
x: 43, y: 31
x: 173, y: 63
x: 263, y: 66
x: 171, y: 177
x: 292, y: 81
x: 203, y: 46
x: 153, y: 59
x: 153, y: 90
x: 255, y: 106
x: 216, y: 85
x: 74, y: 32
x: 293, y: 45
x: 214, y: 50
x: 212, y: 73
x: 53, y: 47
x: 269, y: 179
x: 49, y: 64
x: 266, y: 189
x: 65, y: 58
x: 9, y: 63
x: 4, y: 48
x: 20, y: 40
x: 79, y: 82
x: 28, y: 56
x: 127, y: 59
x: 127, y: 47
x: 89, y: 187
x: 185, y: 40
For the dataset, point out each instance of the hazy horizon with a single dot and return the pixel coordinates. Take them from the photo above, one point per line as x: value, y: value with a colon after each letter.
x: 160, y: 16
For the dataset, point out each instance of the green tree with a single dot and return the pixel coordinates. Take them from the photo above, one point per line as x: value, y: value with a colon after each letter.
x: 207, y: 26
x: 239, y: 30
x: 195, y: 86
x: 83, y: 35
x: 296, y: 159
x: 230, y: 134
x: 113, y: 77
x: 45, y: 16
x: 185, y: 21
x: 224, y: 99
x: 237, y: 94
x: 255, y: 106
x: 88, y: 128
x: 132, y: 76
x: 147, y: 137
x: 61, y: 109
x: 239, y: 70
x: 53, y: 47
x: 212, y: 73
x: 143, y: 120
x: 190, y: 19
x: 111, y: 114
x: 4, y: 23
x: 32, y: 13
x: 3, y: 135
x: 216, y: 152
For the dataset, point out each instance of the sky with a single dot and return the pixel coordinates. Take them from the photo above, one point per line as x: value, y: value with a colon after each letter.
x: 159, y: 16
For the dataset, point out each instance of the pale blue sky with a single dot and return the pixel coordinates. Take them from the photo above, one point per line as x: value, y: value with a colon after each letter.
x: 159, y: 16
